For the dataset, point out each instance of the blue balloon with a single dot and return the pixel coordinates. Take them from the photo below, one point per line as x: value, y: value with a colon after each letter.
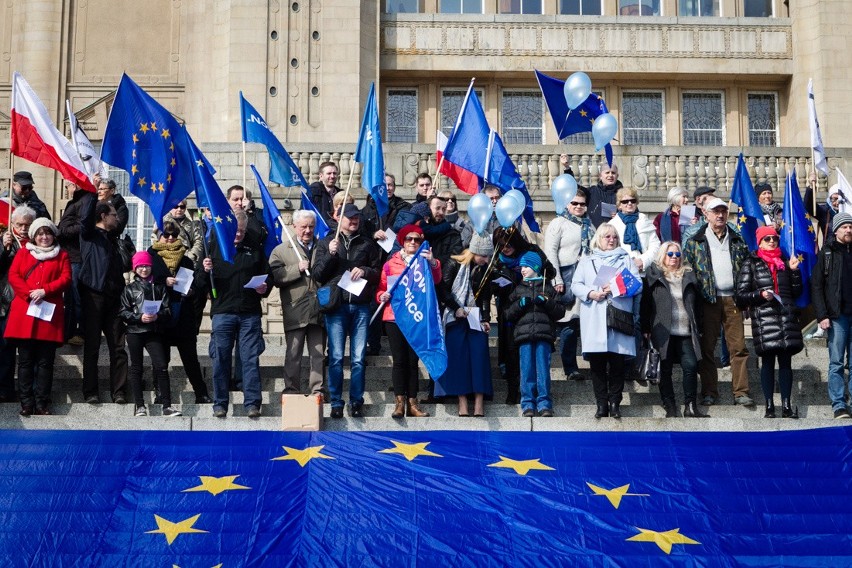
x: 563, y: 189
x: 603, y: 130
x: 577, y: 89
x: 519, y: 197
x: 508, y: 210
x: 479, y: 210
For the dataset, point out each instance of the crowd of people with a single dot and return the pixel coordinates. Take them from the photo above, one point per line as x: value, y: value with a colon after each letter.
x: 79, y: 280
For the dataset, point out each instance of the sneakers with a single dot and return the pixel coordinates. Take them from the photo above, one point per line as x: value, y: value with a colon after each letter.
x: 842, y: 413
x: 171, y: 411
x: 356, y: 410
x: 708, y: 401
x: 744, y: 400
x: 528, y: 413
x: 546, y: 413
x: 576, y: 376
x: 119, y: 399
x: 93, y: 399
x: 253, y: 412
x: 142, y: 411
x: 219, y: 412
x: 337, y: 412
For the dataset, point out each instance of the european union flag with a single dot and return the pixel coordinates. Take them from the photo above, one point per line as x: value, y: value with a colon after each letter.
x: 490, y: 498
x: 321, y: 229
x: 415, y: 307
x: 282, y: 169
x: 207, y: 191
x: 140, y: 139
x: 742, y: 193
x: 369, y: 153
x: 271, y: 215
x: 798, y: 237
x: 503, y: 173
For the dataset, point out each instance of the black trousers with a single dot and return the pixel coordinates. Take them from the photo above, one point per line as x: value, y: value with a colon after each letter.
x: 404, y: 372
x: 607, y: 376
x: 101, y: 315
x: 35, y: 371
x: 188, y: 350
x: 155, y: 344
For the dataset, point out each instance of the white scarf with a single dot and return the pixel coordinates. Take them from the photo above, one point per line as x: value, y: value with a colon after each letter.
x: 41, y: 253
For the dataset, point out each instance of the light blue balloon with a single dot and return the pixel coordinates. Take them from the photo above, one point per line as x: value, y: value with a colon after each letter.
x: 603, y: 130
x: 519, y: 197
x: 508, y: 210
x: 563, y: 189
x: 479, y: 210
x: 577, y: 89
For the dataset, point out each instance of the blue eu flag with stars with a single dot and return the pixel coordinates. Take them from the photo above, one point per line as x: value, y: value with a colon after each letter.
x: 141, y: 138
x: 798, y: 237
x: 750, y: 215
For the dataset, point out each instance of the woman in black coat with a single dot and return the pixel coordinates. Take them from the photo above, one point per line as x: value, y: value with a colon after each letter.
x: 668, y: 318
x: 767, y: 287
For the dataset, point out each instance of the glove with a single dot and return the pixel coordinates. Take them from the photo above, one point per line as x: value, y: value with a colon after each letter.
x: 540, y: 300
x: 524, y: 302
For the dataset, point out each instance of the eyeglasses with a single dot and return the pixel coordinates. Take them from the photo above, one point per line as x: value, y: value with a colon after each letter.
x: 446, y: 199
x: 629, y: 201
x: 578, y: 204
x: 414, y: 239
x: 180, y: 206
x: 769, y: 239
x: 673, y: 254
x: 170, y: 235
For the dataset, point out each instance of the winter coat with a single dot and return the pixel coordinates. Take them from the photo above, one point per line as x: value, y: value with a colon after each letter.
x: 370, y: 214
x: 101, y: 266
x: 826, y: 280
x: 596, y: 337
x: 132, y: 298
x: 774, y: 327
x: 182, y: 323
x: 394, y: 267
x: 322, y: 200
x: 357, y: 251
x: 534, y: 311
x: 190, y: 234
x: 26, y: 274
x: 231, y: 277
x: 647, y: 238
x: 449, y: 273
x: 562, y: 242
x: 463, y: 226
x: 696, y: 253
x: 33, y: 202
x: 656, y: 308
x: 7, y: 294
x: 299, y: 305
x: 445, y: 244
x: 598, y: 194
x: 70, y: 226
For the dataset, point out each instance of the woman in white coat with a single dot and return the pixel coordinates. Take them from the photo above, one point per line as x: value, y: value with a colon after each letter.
x: 604, y: 348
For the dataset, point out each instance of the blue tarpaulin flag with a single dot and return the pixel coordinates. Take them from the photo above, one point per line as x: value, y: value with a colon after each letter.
x: 503, y: 173
x: 750, y: 215
x: 415, y: 308
x: 490, y: 498
x: 207, y: 191
x: 321, y: 229
x: 565, y: 120
x: 271, y: 215
x: 369, y: 154
x: 141, y: 138
x: 282, y: 169
x: 798, y: 236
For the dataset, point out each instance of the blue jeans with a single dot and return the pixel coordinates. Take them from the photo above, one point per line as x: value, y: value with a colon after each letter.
x: 568, y: 335
x: 227, y: 329
x: 351, y: 320
x: 839, y: 344
x: 535, y: 375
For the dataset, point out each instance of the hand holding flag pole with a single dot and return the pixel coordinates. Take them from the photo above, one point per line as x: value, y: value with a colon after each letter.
x: 292, y: 242
x: 399, y: 279
x: 206, y: 254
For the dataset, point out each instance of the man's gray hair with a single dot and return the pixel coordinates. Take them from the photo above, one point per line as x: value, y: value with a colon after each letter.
x: 22, y: 212
x: 303, y: 215
x: 109, y: 182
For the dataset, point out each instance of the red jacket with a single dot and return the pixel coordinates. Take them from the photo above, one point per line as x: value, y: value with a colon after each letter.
x: 54, y: 275
x: 394, y: 267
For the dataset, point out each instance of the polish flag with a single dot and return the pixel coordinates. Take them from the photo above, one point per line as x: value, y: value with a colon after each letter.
x: 35, y: 138
x: 625, y: 284
x: 465, y: 180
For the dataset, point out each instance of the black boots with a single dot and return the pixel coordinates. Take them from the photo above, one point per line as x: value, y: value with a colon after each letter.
x: 690, y: 410
x: 671, y: 408
x: 770, y: 409
x: 614, y: 410
x: 603, y: 410
x: 787, y: 411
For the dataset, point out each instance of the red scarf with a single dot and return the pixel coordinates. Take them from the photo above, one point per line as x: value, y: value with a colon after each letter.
x: 773, y: 259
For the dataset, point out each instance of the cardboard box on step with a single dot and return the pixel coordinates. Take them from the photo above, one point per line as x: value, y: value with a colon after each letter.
x: 301, y: 413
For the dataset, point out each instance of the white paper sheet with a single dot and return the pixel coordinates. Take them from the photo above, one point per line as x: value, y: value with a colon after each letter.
x: 605, y: 274
x: 389, y: 240
x: 473, y: 319
x: 183, y: 280
x: 608, y: 210
x: 502, y: 282
x: 41, y: 310
x: 151, y: 307
x: 687, y: 214
x: 256, y: 281
x: 347, y: 284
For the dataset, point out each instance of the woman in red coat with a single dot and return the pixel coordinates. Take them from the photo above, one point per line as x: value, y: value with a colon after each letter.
x: 39, y: 275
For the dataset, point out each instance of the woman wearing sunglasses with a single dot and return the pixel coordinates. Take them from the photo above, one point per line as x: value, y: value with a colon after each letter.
x: 767, y: 286
x: 405, y: 372
x: 669, y: 306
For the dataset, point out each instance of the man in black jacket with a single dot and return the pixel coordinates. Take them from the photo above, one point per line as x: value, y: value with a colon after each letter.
x: 107, y: 192
x: 603, y: 192
x: 831, y: 294
x: 23, y: 194
x: 322, y: 191
x: 101, y: 280
x: 236, y: 314
x: 335, y: 255
x: 70, y: 226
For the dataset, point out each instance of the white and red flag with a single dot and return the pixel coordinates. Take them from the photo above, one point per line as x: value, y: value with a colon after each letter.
x: 35, y: 137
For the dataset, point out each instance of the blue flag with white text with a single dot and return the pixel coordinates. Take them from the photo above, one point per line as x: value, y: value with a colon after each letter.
x: 750, y: 216
x: 798, y: 236
x: 207, y: 191
x: 321, y: 229
x: 415, y: 308
x: 282, y: 168
x: 271, y: 215
x: 369, y: 154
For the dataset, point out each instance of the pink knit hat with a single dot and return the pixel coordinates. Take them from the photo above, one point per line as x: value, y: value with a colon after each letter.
x: 141, y: 258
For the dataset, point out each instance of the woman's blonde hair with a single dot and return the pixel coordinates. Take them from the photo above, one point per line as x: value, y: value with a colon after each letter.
x: 604, y: 229
x: 660, y: 261
x: 464, y: 257
x: 626, y: 192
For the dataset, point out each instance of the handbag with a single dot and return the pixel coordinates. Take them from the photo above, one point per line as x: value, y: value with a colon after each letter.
x: 619, y: 320
x: 650, y: 369
x: 329, y: 296
x: 126, y: 250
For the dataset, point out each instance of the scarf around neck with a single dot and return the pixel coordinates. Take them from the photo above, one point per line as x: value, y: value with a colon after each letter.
x: 631, y: 235
x: 773, y: 259
x: 41, y: 253
x: 171, y: 253
x: 586, y: 231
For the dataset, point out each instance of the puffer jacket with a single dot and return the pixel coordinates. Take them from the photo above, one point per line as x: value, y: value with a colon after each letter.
x: 696, y: 253
x: 131, y: 306
x: 535, y: 320
x: 775, y: 327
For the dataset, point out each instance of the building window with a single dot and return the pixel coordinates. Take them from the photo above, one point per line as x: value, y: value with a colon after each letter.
x: 698, y: 8
x: 580, y: 7
x: 757, y: 8
x: 461, y: 6
x: 703, y: 118
x: 401, y: 116
x: 140, y: 220
x: 522, y: 119
x: 401, y: 6
x: 520, y: 7
x: 642, y: 118
x: 762, y: 119
x: 639, y: 8
x: 451, y: 103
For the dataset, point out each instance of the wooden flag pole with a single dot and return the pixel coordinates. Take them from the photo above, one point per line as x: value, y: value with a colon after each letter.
x: 345, y: 195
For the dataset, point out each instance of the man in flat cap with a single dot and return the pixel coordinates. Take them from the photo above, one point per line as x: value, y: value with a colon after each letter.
x: 23, y: 194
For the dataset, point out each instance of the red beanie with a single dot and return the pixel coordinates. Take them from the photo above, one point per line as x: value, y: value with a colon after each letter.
x: 765, y: 231
x: 400, y: 236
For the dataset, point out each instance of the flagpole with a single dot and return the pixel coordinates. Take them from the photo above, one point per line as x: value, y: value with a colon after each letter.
x: 204, y: 245
x: 244, y: 167
x: 345, y: 195
x: 292, y: 242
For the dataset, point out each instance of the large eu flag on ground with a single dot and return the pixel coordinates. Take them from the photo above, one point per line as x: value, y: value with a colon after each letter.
x: 160, y: 498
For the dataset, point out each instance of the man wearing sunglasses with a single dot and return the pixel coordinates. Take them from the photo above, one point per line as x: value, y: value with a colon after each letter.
x: 189, y: 233
x: 454, y: 218
x: 716, y: 252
